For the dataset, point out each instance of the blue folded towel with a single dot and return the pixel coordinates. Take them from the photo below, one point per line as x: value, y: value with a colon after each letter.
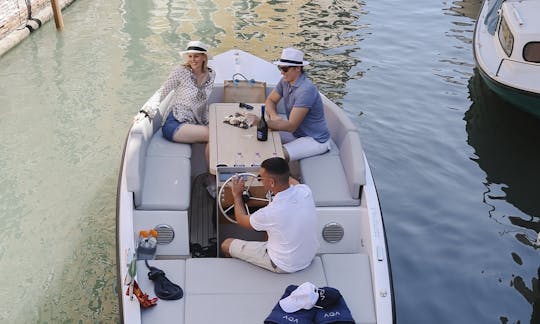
x: 279, y: 316
x: 338, y: 313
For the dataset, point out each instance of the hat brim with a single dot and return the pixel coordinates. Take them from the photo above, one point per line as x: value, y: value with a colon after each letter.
x: 288, y: 305
x: 185, y: 53
x: 280, y: 63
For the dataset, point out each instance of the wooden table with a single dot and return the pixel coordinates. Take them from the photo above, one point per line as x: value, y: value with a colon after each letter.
x: 226, y: 141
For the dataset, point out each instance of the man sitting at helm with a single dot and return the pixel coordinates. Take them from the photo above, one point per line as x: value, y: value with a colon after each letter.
x: 289, y: 220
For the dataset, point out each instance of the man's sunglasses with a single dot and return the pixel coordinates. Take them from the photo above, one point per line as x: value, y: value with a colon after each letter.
x: 284, y: 68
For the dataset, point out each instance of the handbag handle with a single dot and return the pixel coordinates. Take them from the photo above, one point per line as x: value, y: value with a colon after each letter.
x: 235, y: 81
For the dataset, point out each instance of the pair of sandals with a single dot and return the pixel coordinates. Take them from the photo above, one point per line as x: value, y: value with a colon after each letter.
x: 163, y: 288
x: 199, y: 251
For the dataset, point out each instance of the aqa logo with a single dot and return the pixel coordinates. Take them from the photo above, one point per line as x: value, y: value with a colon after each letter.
x: 331, y: 314
x: 290, y: 319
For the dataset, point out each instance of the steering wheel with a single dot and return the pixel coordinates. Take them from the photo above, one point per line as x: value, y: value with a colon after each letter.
x: 224, y: 200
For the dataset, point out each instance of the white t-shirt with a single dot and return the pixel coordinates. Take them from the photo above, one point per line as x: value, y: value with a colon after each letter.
x: 291, y: 223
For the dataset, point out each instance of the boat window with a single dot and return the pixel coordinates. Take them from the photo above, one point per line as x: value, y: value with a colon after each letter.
x: 492, y: 16
x: 505, y: 37
x: 531, y: 52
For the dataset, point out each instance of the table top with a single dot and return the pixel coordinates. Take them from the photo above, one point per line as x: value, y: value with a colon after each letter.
x: 227, y: 142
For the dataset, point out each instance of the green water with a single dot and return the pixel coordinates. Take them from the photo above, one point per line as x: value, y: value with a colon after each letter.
x: 456, y: 167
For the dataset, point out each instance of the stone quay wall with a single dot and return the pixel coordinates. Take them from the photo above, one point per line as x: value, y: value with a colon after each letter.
x: 18, y: 18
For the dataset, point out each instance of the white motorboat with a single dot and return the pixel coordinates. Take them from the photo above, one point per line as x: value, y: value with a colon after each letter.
x: 507, y: 50
x: 158, y: 189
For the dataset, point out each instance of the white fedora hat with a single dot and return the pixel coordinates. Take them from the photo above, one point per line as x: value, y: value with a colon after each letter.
x: 291, y: 57
x: 196, y: 47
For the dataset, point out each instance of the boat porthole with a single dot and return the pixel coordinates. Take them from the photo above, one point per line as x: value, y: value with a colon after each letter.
x: 165, y: 233
x: 333, y: 232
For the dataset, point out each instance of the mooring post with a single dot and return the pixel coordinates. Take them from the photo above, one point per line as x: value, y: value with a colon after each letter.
x: 57, y: 11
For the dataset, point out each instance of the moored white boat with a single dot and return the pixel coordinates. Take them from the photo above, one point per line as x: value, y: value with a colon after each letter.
x: 156, y: 190
x: 507, y: 50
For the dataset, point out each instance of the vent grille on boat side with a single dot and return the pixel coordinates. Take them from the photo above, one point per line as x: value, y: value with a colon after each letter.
x: 165, y: 233
x: 333, y: 232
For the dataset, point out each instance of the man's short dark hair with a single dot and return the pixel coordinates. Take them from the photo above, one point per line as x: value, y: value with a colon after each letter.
x: 278, y: 168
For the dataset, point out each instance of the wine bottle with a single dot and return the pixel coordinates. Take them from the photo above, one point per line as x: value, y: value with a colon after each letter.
x: 262, y: 128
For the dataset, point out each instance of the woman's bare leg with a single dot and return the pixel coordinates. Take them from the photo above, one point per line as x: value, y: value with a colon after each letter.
x: 189, y: 133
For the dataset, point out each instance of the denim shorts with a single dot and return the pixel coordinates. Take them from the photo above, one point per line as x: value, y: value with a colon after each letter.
x: 170, y: 127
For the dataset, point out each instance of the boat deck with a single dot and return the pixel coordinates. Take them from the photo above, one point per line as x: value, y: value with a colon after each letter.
x: 218, y: 290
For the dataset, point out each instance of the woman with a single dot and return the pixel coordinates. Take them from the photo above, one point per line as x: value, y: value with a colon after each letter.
x: 192, y: 82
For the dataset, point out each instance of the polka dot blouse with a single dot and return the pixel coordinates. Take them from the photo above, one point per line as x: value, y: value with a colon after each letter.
x: 190, y: 101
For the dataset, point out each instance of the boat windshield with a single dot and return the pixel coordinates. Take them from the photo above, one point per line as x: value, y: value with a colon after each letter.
x: 493, y: 15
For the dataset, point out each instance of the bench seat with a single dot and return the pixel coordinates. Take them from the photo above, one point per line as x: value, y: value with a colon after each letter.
x: 160, y: 146
x: 336, y: 179
x: 158, y: 171
x: 355, y: 286
x: 337, y: 176
x: 166, y: 183
x: 233, y: 291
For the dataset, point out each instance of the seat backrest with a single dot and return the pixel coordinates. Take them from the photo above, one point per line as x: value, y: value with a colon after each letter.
x: 338, y: 122
x: 161, y: 112
x: 140, y: 135
x: 351, y: 154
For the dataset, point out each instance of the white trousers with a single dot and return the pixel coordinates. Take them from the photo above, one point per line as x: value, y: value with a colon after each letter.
x: 302, y: 147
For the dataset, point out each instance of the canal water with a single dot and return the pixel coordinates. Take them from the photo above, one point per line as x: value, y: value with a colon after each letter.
x: 455, y: 166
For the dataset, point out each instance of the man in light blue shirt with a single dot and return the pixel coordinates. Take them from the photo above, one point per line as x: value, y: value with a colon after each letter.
x: 304, y: 132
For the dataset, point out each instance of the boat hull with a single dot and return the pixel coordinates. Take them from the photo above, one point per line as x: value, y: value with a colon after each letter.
x: 357, y: 263
x: 524, y: 100
x: 512, y: 78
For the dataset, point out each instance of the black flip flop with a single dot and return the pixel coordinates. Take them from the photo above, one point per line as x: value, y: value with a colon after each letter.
x: 163, y: 287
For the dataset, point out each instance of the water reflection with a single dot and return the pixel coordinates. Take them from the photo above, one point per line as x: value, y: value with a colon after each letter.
x: 329, y: 34
x: 532, y: 295
x: 505, y: 140
x: 467, y: 8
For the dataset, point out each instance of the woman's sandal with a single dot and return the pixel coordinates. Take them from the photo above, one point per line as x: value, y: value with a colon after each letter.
x: 143, y: 298
x: 163, y: 287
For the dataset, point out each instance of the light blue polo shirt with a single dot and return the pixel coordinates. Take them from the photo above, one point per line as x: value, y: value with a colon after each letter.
x: 304, y: 94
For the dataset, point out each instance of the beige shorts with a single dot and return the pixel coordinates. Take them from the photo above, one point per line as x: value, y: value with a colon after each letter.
x: 253, y: 252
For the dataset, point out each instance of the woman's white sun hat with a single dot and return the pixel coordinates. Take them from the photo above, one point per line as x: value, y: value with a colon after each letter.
x: 196, y: 47
x: 291, y: 57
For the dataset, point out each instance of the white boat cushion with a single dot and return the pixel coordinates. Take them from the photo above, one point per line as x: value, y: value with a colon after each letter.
x: 160, y: 146
x: 136, y: 147
x: 355, y: 286
x: 352, y: 158
x: 341, y: 186
x: 233, y: 291
x: 157, y: 171
x: 166, y: 311
x: 338, y: 122
x: 166, y: 183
